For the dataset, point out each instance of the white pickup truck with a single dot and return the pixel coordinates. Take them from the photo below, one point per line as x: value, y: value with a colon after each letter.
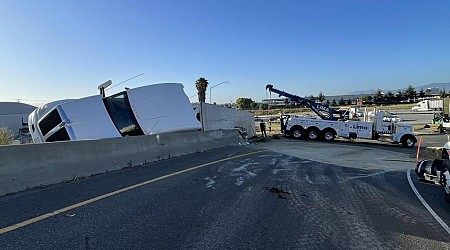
x: 151, y: 109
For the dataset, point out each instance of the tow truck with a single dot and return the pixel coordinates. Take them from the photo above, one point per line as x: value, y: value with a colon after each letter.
x: 334, y: 123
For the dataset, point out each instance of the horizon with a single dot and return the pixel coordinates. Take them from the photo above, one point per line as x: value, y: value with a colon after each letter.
x: 38, y: 104
x: 62, y: 50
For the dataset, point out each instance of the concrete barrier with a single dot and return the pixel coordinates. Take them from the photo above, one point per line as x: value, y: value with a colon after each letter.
x: 28, y: 166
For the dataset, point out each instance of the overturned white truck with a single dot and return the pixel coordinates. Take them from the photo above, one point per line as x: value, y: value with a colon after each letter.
x: 151, y: 109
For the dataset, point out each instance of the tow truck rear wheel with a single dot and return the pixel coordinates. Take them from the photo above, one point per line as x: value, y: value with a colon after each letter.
x: 313, y: 134
x: 408, y: 141
x: 328, y: 135
x: 297, y: 133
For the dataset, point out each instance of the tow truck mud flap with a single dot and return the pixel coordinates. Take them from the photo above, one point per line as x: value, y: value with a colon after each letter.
x: 430, y: 170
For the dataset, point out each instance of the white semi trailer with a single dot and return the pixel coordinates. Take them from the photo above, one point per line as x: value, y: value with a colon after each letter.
x: 151, y: 109
x: 428, y: 105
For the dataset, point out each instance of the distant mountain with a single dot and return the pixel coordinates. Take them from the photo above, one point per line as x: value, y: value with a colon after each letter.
x: 445, y: 86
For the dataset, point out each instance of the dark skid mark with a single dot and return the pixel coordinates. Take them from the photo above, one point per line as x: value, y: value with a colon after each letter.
x: 281, y: 193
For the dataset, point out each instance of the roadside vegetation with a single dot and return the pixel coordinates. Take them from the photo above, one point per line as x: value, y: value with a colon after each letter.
x: 6, y: 136
x: 402, y: 99
x: 294, y: 110
x: 290, y: 110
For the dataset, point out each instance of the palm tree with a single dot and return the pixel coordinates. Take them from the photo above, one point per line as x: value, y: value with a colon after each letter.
x: 202, y: 85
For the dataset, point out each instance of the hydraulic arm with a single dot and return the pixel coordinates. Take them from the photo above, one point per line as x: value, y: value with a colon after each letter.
x: 322, y: 111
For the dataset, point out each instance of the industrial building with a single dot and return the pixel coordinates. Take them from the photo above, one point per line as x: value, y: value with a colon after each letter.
x: 14, y: 116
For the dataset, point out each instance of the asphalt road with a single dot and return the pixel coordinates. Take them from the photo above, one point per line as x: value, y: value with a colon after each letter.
x: 415, y: 117
x: 283, y: 194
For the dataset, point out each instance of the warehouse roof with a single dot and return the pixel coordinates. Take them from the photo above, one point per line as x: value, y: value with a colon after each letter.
x: 14, y: 108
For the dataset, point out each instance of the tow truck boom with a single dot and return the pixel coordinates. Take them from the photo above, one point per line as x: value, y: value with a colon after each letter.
x: 322, y: 111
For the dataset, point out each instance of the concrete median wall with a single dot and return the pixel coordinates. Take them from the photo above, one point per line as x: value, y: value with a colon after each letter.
x: 28, y: 166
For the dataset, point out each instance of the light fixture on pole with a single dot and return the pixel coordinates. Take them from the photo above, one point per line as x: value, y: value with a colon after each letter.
x: 213, y: 87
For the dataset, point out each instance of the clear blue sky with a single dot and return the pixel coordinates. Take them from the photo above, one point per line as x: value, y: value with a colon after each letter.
x: 63, y: 49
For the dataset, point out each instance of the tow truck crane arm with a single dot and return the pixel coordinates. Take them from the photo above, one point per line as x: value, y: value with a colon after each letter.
x: 322, y: 111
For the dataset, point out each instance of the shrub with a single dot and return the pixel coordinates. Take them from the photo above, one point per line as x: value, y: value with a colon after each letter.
x: 6, y: 136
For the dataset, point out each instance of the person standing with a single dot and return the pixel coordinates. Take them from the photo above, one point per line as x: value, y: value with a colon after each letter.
x: 262, y: 126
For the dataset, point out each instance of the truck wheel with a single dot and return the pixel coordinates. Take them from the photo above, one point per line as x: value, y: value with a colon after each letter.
x: 408, y: 141
x: 328, y: 135
x: 444, y: 174
x: 313, y: 134
x: 297, y: 133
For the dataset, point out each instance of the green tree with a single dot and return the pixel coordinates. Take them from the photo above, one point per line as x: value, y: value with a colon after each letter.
x: 321, y: 97
x: 243, y: 103
x: 253, y: 105
x: 379, y: 96
x: 410, y: 92
x: 333, y: 103
x: 263, y: 106
x: 286, y: 101
x: 349, y: 101
x: 341, y: 101
x: 201, y: 84
x: 367, y: 98
x: 421, y: 93
x: 390, y: 96
x: 442, y: 93
x: 400, y: 95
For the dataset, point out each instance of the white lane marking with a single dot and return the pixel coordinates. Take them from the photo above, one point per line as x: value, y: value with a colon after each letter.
x: 425, y: 204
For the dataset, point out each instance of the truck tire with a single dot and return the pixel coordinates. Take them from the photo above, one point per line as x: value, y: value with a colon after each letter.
x: 313, y: 134
x: 445, y: 184
x: 329, y: 135
x: 408, y: 141
x: 297, y: 133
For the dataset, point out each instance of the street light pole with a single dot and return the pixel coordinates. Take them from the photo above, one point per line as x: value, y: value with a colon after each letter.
x: 213, y: 87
